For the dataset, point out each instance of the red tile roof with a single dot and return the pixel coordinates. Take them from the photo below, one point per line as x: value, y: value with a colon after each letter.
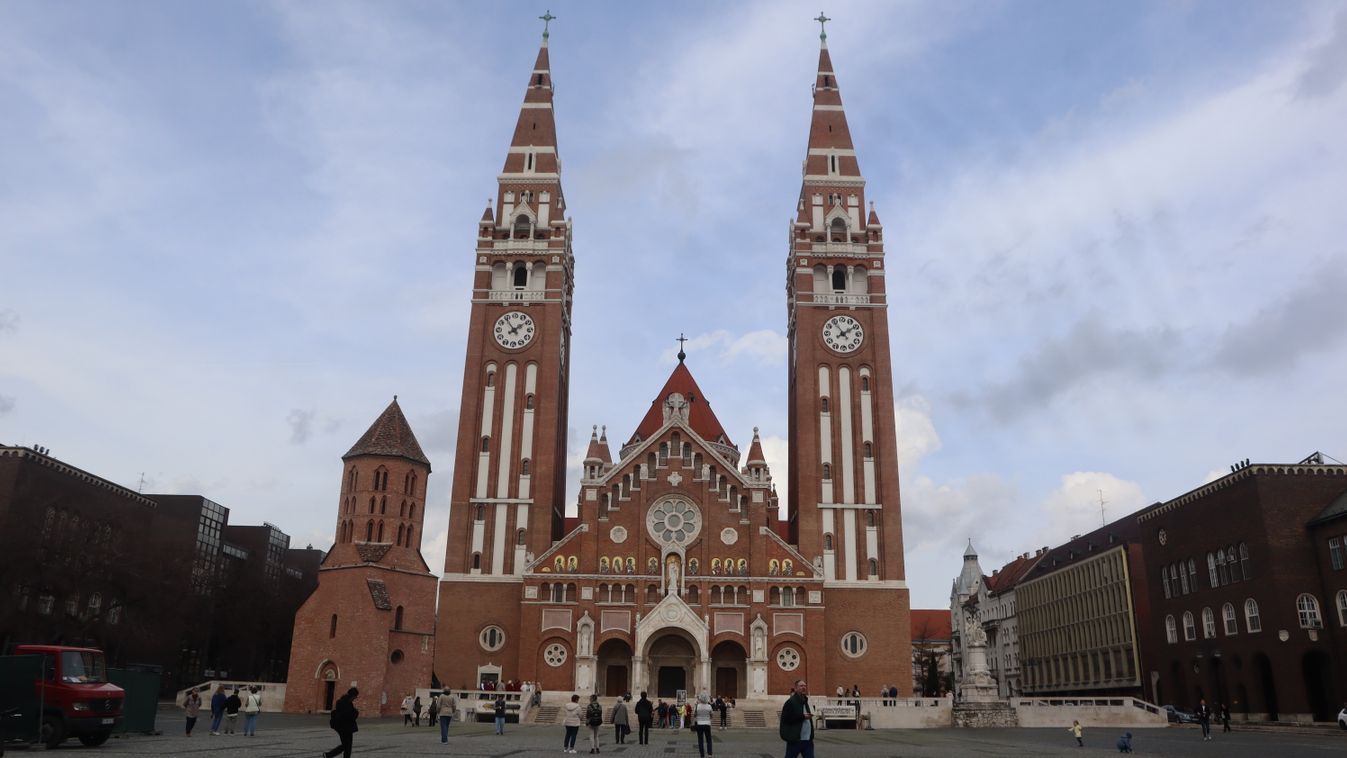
x: 390, y: 435
x: 928, y: 625
x: 700, y: 416
x: 1010, y: 574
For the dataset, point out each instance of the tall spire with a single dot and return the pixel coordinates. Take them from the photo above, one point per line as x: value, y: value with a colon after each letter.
x: 529, y: 194
x: 832, y: 175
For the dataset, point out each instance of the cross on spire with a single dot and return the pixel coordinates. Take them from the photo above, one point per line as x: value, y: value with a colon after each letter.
x: 822, y: 26
x: 681, y: 340
x: 547, y: 19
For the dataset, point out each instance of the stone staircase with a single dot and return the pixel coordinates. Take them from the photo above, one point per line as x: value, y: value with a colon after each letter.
x: 546, y: 714
x: 748, y: 719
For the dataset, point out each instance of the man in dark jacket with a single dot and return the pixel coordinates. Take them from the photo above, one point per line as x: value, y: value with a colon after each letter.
x: 644, y: 716
x: 342, y: 721
x: 797, y: 723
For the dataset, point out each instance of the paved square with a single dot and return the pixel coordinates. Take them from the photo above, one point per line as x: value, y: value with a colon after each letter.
x: 282, y: 736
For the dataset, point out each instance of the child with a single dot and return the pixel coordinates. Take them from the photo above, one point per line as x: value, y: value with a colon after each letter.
x: 1075, y: 730
x: 1125, y: 743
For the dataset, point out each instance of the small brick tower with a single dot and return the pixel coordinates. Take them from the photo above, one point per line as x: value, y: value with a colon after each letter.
x: 371, y: 622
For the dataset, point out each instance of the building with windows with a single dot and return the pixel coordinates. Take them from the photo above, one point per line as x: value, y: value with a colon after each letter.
x: 1246, y: 595
x: 990, y: 600
x: 677, y: 573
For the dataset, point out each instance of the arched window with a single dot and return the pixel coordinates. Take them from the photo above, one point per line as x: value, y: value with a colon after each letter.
x: 332, y: 628
x: 828, y: 541
x: 865, y: 383
x: 663, y: 453
x: 381, y: 532
x: 479, y: 513
x: 411, y: 510
x: 350, y: 480
x: 1192, y: 574
x: 371, y: 504
x: 869, y: 450
x: 823, y: 405
x: 1189, y: 628
x: 519, y: 537
x: 687, y: 454
x: 788, y: 596
x: 1231, y: 621
x: 369, y: 531
x: 491, y: 377
x: 1307, y: 608
x: 402, y: 510
x: 397, y: 618
x: 528, y: 402
x: 1164, y: 580
x: 402, y: 532
x: 1222, y: 571
x: 1232, y: 562
x: 1244, y: 568
x: 477, y: 561
x: 524, y: 467
x: 383, y: 504
x: 1171, y: 630
x: 869, y: 518
x: 694, y: 595
x: 410, y: 541
x: 1251, y: 619
x: 1342, y: 607
x: 1212, y: 577
x: 486, y: 445
x: 838, y: 233
x: 874, y: 567
x: 1208, y: 624
x: 774, y: 596
x: 827, y: 471
x: 521, y: 231
x: 570, y: 593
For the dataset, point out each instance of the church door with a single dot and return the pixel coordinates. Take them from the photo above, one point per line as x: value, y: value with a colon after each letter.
x: 671, y: 680
x: 617, y: 681
x: 329, y: 689
x: 727, y: 682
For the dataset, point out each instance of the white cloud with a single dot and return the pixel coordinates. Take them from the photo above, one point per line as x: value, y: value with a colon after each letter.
x: 763, y: 347
x: 1073, y: 508
x: 917, y: 436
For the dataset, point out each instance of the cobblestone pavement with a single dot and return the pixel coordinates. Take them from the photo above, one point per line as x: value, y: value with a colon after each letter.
x: 281, y: 736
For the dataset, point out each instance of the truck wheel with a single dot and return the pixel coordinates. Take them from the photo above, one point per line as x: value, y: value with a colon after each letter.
x: 95, y: 739
x: 53, y: 732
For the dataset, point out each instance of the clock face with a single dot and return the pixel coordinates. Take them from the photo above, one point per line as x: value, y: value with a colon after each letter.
x: 514, y: 329
x: 843, y: 334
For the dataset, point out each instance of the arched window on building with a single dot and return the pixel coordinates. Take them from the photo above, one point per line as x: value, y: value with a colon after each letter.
x: 823, y: 405
x: 1342, y: 607
x: 837, y: 232
x: 1230, y: 619
x: 1307, y: 609
x: 774, y: 596
x: 371, y: 504
x: 828, y: 541
x: 1252, y: 622
x: 402, y: 531
x: 1212, y: 577
x: 521, y: 231
x: 380, y: 537
x: 1192, y: 574
x: 1244, y: 568
x: 1171, y: 630
x: 1189, y: 627
x: 486, y: 445
x: 869, y: 450
x: 524, y: 467
x: 411, y: 540
x: 570, y: 593
x: 663, y: 453
x: 827, y: 471
x: 369, y: 531
x: 479, y: 513
x: 874, y: 567
x: 383, y: 504
x: 869, y: 518
x: 477, y: 561
x: 1164, y: 580
x: 865, y: 383
x: 519, y: 537
x: 1208, y: 624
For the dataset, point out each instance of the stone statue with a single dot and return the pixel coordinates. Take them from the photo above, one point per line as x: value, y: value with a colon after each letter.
x: 673, y: 588
x: 759, y: 644
x: 973, y: 633
x: 586, y: 640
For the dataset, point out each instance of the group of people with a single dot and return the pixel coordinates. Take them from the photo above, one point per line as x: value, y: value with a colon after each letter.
x: 670, y: 715
x: 225, y: 708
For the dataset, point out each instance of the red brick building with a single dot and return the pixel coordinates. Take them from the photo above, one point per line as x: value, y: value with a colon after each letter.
x: 371, y: 621
x: 677, y: 573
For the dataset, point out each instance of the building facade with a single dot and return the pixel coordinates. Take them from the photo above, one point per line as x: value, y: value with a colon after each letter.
x: 676, y: 573
x: 991, y: 601
x: 371, y: 621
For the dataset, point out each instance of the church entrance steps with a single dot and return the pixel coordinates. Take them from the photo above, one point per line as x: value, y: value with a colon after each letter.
x: 546, y: 714
x: 982, y: 715
x: 751, y: 719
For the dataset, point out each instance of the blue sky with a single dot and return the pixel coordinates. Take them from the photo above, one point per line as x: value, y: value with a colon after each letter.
x: 230, y: 232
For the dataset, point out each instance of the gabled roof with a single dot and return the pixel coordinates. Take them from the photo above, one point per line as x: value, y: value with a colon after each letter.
x: 389, y: 435
x: 701, y: 419
x: 1335, y: 509
x: 1010, y: 574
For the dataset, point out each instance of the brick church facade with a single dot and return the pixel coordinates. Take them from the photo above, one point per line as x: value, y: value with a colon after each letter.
x: 677, y: 571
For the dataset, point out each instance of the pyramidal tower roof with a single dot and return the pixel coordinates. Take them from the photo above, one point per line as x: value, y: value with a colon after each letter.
x: 701, y: 419
x: 389, y: 435
x: 755, y: 450
x: 831, y: 168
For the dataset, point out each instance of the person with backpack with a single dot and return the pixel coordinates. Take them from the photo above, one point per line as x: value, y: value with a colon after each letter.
x: 342, y: 721
x: 594, y: 720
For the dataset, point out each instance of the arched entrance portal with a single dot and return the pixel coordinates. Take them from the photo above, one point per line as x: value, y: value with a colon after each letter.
x: 673, y: 664
x: 614, y: 674
x: 1267, y: 682
x: 729, y: 670
x: 327, y: 686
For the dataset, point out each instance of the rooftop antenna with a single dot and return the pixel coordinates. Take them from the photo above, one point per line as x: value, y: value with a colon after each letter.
x: 1103, y: 520
x: 140, y: 488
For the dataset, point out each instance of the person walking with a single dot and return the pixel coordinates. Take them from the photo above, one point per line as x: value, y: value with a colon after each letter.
x: 644, y: 715
x: 571, y: 720
x: 1204, y: 718
x: 500, y: 714
x: 217, y: 710
x: 191, y: 706
x: 416, y: 711
x: 797, y: 723
x: 1225, y: 718
x: 342, y: 721
x: 620, y: 724
x: 252, y: 705
x: 232, y: 705
x: 405, y: 708
x: 701, y: 724
x: 1076, y: 730
x: 448, y: 706
x: 724, y: 709
x: 594, y: 720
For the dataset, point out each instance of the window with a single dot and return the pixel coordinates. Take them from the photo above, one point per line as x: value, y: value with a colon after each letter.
x: 874, y: 567
x: 95, y: 603
x: 788, y: 659
x: 486, y: 445
x: 854, y: 644
x: 869, y: 518
x: 828, y: 541
x: 839, y: 272
x: 371, y: 505
x: 369, y: 529
x: 1307, y: 608
x: 827, y: 471
x: 1244, y: 561
x: 491, y: 378
x: 865, y: 384
x: 521, y: 231
x: 1231, y: 622
x: 1189, y: 628
x: 383, y: 504
x: 823, y: 405
x: 381, y: 532
x: 528, y: 402
x: 1208, y: 624
x: 479, y: 513
x: 492, y: 638
x: 524, y: 467
x: 396, y: 657
x: 1342, y: 607
x: 1164, y: 580
x: 554, y: 655
x: 1232, y: 563
x: 477, y: 561
x: 1192, y: 574
x: 1212, y: 578
x: 869, y: 450
x: 1183, y: 578
x: 519, y: 537
x: 332, y: 628
x: 1251, y: 620
x: 45, y: 603
x: 402, y: 532
x: 1171, y: 630
x: 408, y: 542
x: 1335, y: 553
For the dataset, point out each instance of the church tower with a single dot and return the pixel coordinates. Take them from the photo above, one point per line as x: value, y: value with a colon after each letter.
x: 510, y: 464
x: 371, y: 621
x: 843, y: 501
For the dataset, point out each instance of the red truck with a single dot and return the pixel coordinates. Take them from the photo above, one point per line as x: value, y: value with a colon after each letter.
x: 73, y: 695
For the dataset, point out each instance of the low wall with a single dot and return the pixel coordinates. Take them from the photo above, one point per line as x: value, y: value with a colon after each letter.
x: 273, y: 694
x: 899, y: 713
x: 1097, y: 711
x: 477, y: 705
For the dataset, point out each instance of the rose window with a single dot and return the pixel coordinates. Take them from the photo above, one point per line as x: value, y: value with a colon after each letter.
x: 675, y: 522
x: 555, y: 654
x: 788, y: 658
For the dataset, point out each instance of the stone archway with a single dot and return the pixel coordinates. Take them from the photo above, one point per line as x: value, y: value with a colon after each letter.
x: 327, y: 686
x: 673, y: 662
x: 614, y: 668
x: 672, y: 617
x: 729, y: 670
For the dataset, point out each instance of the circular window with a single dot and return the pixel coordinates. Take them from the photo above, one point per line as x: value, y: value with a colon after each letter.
x: 854, y: 644
x: 555, y: 654
x: 492, y: 638
x: 788, y: 658
x: 396, y: 657
x: 674, y: 522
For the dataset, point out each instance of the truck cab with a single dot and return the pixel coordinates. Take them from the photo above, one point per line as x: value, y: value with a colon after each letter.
x: 74, y: 694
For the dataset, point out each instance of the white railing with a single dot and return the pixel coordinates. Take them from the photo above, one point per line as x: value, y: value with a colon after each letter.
x: 824, y: 299
x: 1085, y: 702
x: 516, y: 296
x: 475, y: 704
x: 273, y: 693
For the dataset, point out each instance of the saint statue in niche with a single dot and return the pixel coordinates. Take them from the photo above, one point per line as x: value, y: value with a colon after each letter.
x: 673, y: 587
